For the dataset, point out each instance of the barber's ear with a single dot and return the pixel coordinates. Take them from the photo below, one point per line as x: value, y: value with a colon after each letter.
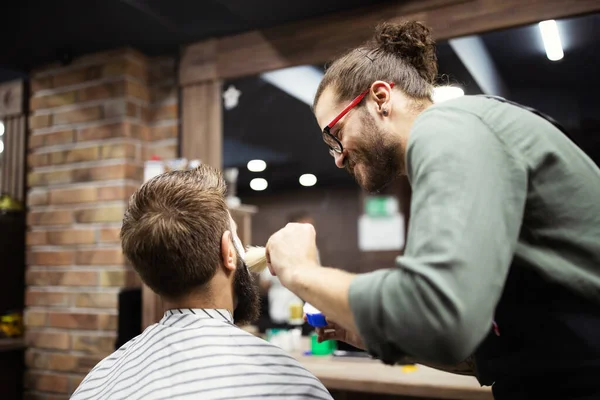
x: 381, y: 92
x: 228, y: 253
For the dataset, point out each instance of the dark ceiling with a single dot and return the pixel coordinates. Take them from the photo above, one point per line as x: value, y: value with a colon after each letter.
x: 40, y: 31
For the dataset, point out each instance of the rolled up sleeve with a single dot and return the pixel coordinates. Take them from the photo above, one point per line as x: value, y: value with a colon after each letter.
x: 468, y: 198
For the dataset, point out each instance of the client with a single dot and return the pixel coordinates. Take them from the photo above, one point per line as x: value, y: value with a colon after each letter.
x: 182, y: 241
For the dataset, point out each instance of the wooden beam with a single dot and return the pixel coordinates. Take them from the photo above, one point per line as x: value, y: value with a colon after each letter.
x: 320, y: 39
x: 202, y: 136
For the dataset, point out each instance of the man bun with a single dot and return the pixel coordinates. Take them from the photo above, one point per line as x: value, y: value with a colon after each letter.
x: 412, y: 42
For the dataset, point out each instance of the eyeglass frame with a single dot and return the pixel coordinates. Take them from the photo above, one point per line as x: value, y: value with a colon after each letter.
x: 346, y: 110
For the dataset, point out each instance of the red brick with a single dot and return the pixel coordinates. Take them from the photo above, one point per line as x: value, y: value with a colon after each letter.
x: 56, y: 217
x: 43, y: 83
x: 54, y: 100
x: 84, y: 114
x: 161, y: 132
x: 94, y: 344
x: 115, y: 108
x: 165, y: 151
x: 109, y: 193
x: 101, y: 91
x: 62, y: 278
x: 37, y: 197
x: 133, y: 110
x: 75, y: 381
x: 110, y: 235
x: 47, y: 340
x: 82, y: 321
x: 47, y: 178
x: 51, y: 258
x: 35, y: 141
x: 84, y: 194
x: 36, y: 238
x: 72, y: 236
x: 100, y: 173
x: 35, y: 298
x: 100, y: 257
x: 125, y: 67
x: 136, y: 90
x: 103, y: 132
x: 74, y: 155
x: 119, y: 150
x: 163, y: 93
x: 112, y: 213
x: 38, y: 160
x: 35, y: 318
x: 40, y: 121
x: 168, y: 111
x: 96, y: 300
x: 73, y: 320
x: 138, y: 131
x: 47, y: 382
x: 60, y: 361
x: 51, y: 139
x: 80, y: 115
x: 113, y: 278
x: 77, y: 76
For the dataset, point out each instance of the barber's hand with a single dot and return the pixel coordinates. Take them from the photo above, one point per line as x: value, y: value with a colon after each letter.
x: 291, y: 247
x: 335, y: 332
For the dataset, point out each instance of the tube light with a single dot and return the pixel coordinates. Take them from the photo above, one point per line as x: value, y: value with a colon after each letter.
x: 256, y: 165
x: 308, y: 180
x: 259, y: 184
x: 551, y: 38
x: 443, y: 93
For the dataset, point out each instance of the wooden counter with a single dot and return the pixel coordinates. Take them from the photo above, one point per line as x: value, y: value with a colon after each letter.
x: 371, y: 376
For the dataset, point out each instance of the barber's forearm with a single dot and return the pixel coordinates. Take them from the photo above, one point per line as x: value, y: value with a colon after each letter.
x: 326, y: 289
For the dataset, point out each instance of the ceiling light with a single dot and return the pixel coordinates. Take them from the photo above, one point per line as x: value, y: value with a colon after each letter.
x: 258, y: 184
x: 256, y: 165
x: 300, y: 82
x: 1, y: 128
x: 443, y: 93
x: 551, y: 38
x: 308, y: 180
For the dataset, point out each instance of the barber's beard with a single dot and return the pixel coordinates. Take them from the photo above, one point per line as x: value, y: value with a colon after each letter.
x: 380, y: 160
x: 246, y: 291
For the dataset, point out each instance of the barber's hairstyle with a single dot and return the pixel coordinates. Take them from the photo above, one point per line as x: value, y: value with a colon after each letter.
x: 402, y: 53
x: 172, y: 230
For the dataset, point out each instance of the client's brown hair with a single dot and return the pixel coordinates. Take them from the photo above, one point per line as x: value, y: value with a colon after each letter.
x: 172, y: 230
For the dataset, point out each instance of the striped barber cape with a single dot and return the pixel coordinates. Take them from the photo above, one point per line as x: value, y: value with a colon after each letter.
x: 199, y: 354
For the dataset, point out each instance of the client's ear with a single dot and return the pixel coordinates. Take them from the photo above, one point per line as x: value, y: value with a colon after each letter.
x: 228, y: 253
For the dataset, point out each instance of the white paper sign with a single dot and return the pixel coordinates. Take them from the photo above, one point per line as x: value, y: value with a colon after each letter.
x: 381, y: 233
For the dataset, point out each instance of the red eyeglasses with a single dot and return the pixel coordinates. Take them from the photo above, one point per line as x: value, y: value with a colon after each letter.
x: 335, y: 145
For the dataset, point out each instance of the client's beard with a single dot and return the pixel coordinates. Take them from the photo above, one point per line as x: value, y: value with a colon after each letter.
x: 247, y: 294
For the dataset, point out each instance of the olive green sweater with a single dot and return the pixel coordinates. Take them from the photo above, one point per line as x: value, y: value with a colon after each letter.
x: 494, y: 187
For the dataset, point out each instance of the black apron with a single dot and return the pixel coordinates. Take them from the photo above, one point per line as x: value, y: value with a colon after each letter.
x: 546, y: 339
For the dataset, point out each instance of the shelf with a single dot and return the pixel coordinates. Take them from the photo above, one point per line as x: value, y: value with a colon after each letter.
x: 12, y: 344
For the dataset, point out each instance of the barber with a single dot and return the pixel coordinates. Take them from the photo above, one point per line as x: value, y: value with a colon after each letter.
x: 502, y: 260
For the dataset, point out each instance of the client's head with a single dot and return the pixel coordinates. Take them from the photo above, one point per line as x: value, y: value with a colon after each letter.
x: 178, y: 234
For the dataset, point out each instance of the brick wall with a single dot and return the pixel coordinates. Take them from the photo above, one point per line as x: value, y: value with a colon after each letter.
x: 92, y: 124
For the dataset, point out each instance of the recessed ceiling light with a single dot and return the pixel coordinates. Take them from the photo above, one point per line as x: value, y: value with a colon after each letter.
x: 308, y: 180
x: 256, y: 165
x: 443, y: 93
x: 258, y: 184
x: 551, y: 38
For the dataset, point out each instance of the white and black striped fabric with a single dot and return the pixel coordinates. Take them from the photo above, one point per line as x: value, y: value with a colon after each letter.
x: 199, y: 354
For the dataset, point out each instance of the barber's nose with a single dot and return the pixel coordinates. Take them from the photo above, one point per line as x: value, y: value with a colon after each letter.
x: 339, y: 159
